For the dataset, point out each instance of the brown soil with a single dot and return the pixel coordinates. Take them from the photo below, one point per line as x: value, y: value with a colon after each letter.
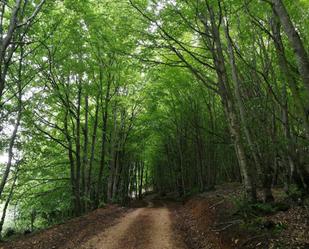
x: 202, y: 217
x: 206, y: 221
x: 70, y: 234
x: 110, y: 228
x: 144, y: 228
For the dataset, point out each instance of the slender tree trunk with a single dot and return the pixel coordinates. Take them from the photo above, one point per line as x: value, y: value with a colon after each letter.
x: 113, y: 157
x: 263, y: 170
x: 5, y: 42
x: 230, y: 111
x: 116, y: 174
x: 93, y: 146
x: 16, y: 127
x: 286, y: 72
x: 12, y: 144
x: 141, y: 178
x: 85, y: 153
x: 7, y: 46
x: 7, y: 202
x: 211, y: 149
x: 295, y: 41
x: 288, y: 78
x: 72, y: 163
x: 78, y: 152
x: 135, y: 179
x: 119, y: 154
x: 181, y: 162
x: 103, y: 142
x: 199, y: 157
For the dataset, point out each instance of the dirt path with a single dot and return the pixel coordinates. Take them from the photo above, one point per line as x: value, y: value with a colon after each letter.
x: 144, y: 228
x: 166, y: 224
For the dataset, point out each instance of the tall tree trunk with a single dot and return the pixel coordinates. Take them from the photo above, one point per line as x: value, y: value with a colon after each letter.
x: 119, y: 153
x: 7, y: 46
x: 5, y: 59
x: 93, y: 146
x: 288, y: 79
x: 103, y: 142
x: 211, y: 179
x: 181, y: 176
x: 230, y: 111
x: 286, y: 71
x: 72, y: 164
x: 12, y: 140
x: 113, y: 157
x: 78, y: 151
x: 7, y: 201
x: 141, y: 178
x: 199, y: 157
x: 295, y: 41
x: 116, y: 174
x: 263, y: 170
x: 85, y: 153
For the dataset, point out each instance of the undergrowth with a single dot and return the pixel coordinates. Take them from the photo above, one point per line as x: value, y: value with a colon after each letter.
x: 255, y: 215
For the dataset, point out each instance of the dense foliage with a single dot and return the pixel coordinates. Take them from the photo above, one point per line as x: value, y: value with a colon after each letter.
x: 102, y: 100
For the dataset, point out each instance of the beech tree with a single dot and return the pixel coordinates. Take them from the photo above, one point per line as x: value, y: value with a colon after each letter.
x: 102, y: 101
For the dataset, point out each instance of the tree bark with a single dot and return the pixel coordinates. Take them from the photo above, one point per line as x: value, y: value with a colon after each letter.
x: 263, y: 170
x: 104, y: 136
x: 16, y: 127
x: 78, y: 151
x: 288, y: 79
x: 141, y: 178
x: 113, y: 157
x: 229, y: 108
x: 7, y: 202
x: 85, y: 153
x: 93, y: 146
x: 295, y: 41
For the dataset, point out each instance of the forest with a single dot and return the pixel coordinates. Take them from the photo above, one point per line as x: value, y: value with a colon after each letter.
x: 104, y: 101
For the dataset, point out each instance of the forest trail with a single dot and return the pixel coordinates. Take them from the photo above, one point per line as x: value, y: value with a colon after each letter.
x: 200, y: 222
x: 143, y: 228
